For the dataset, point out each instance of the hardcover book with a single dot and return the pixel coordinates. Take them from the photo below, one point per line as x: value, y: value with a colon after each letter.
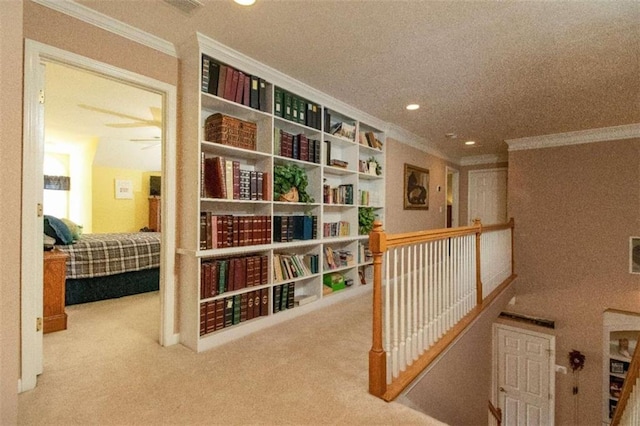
x: 254, y: 97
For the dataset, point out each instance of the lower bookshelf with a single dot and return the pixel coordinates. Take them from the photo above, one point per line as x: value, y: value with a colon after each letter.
x: 245, y: 289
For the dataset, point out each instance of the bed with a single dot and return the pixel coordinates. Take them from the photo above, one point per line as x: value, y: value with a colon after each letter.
x: 107, y: 266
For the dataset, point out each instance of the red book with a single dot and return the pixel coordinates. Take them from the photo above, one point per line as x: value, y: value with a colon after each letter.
x: 257, y: 303
x: 203, y: 318
x: 219, y: 315
x: 237, y: 231
x: 211, y: 317
x: 228, y: 84
x: 264, y: 270
x: 250, y: 299
x: 266, y: 186
x: 236, y: 180
x: 251, y: 267
x: 222, y: 80
x: 247, y: 91
x: 220, y: 228
x: 213, y: 278
x: 264, y: 306
x: 239, y: 88
x: 268, y: 230
x: 242, y: 272
x: 214, y: 179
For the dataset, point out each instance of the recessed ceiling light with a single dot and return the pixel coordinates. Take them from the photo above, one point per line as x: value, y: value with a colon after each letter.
x: 245, y: 2
x: 470, y: 143
x: 413, y: 107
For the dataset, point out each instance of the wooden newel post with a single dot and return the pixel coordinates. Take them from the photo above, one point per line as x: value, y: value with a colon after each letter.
x: 476, y: 222
x: 377, y: 356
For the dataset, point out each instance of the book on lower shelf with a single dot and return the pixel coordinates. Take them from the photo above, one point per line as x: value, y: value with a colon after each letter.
x: 218, y: 314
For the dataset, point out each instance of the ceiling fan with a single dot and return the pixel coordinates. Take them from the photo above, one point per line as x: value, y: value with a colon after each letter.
x: 148, y: 142
x: 156, y: 114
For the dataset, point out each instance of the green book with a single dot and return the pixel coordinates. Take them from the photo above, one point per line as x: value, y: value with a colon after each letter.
x: 278, y: 101
x: 287, y: 97
x: 237, y: 301
x: 284, y: 296
x: 302, y: 110
x: 295, y: 104
x: 223, y: 268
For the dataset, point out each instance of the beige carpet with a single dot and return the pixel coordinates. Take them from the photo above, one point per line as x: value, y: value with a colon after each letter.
x: 108, y: 368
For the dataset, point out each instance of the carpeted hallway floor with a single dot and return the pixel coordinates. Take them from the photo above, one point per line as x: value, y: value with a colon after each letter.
x: 107, y: 368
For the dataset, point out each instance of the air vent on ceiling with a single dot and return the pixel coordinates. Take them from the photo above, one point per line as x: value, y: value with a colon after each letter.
x: 186, y: 6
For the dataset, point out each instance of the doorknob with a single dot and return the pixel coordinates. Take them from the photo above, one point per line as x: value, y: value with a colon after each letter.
x: 502, y: 389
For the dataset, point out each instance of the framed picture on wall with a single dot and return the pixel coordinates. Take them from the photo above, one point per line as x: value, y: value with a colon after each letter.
x: 124, y: 189
x: 416, y: 188
x: 634, y: 255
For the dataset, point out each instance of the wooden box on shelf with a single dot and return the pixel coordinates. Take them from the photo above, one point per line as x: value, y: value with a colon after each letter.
x: 54, y: 273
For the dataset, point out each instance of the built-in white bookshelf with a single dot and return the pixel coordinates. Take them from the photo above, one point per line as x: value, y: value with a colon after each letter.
x: 355, y: 181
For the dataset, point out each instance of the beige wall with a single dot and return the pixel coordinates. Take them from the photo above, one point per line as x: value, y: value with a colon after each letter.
x: 56, y: 29
x: 575, y: 208
x: 398, y: 220
x: 10, y: 171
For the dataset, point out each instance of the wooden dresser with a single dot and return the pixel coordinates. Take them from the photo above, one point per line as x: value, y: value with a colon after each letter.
x: 55, y: 271
x: 155, y: 217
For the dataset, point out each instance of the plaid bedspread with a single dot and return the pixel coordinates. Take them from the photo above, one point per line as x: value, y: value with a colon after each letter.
x: 98, y: 255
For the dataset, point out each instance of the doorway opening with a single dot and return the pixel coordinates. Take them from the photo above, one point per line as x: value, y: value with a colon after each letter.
x: 453, y: 198
x: 88, y: 135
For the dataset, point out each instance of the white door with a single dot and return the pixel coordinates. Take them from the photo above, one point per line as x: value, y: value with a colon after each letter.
x: 488, y: 196
x: 525, y: 376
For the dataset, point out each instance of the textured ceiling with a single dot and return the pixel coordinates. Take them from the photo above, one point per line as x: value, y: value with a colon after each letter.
x: 487, y: 71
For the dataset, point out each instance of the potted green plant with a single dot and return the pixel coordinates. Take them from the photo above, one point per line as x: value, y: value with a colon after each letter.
x: 374, y: 166
x: 366, y: 216
x: 290, y: 183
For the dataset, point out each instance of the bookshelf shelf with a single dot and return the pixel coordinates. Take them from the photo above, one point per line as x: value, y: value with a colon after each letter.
x: 286, y: 123
x: 620, y: 337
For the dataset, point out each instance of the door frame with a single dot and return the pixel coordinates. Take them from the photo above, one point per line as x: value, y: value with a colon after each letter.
x: 37, y: 53
x: 474, y: 172
x: 455, y: 189
x: 552, y: 362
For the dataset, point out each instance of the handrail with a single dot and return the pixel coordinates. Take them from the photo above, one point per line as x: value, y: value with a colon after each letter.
x: 628, y: 388
x: 496, y: 413
x: 435, y: 295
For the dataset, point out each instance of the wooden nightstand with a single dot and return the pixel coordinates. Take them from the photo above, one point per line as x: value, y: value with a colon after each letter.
x: 55, y: 271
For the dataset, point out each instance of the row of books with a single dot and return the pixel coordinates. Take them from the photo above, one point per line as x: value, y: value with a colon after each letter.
x: 298, y: 147
x: 289, y: 266
x: 294, y: 108
x: 225, y: 179
x: 222, y: 231
x: 283, y: 297
x: 295, y: 227
x: 218, y: 314
x: 369, y: 139
x: 218, y: 276
x: 334, y: 259
x: 342, y: 194
x: 368, y: 198
x: 233, y: 85
x: 364, y: 254
x: 336, y: 229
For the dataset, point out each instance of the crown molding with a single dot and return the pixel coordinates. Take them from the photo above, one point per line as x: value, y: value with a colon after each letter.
x: 484, y: 159
x: 603, y: 134
x: 408, y: 138
x: 100, y: 20
x: 229, y: 55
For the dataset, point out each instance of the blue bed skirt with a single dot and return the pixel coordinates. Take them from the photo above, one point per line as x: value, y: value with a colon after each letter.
x: 84, y: 290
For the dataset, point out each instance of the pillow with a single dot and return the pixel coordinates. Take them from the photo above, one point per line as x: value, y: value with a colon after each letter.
x: 55, y: 228
x: 76, y: 230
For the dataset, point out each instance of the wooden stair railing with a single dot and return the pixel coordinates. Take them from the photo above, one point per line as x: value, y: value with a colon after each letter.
x: 496, y: 413
x: 431, y: 291
x: 629, y: 402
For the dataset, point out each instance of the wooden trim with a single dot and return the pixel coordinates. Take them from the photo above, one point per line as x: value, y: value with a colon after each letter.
x: 627, y: 387
x: 495, y: 412
x: 431, y: 235
x: 377, y: 355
